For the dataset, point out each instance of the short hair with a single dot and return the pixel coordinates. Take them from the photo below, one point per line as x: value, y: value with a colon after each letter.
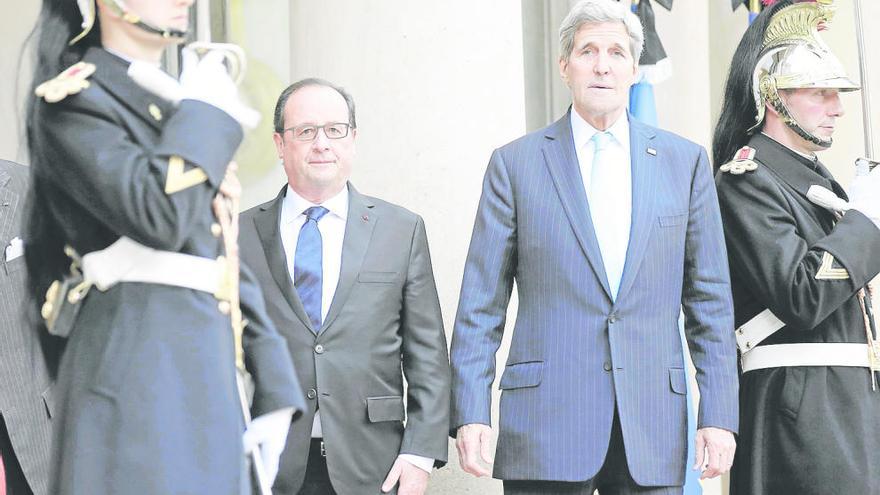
x: 600, y: 11
x: 311, y: 81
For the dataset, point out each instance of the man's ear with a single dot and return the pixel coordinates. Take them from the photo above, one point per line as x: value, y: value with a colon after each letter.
x: 279, y: 143
x: 563, y: 65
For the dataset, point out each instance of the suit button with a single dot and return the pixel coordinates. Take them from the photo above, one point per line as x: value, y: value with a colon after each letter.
x: 319, y: 349
x: 612, y: 318
x: 606, y: 366
x: 312, y: 393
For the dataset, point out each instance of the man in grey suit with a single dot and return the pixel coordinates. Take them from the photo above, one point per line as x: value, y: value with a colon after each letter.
x: 348, y: 281
x: 25, y: 400
x: 609, y: 227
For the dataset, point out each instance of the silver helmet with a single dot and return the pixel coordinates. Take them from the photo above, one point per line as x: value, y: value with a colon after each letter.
x: 794, y: 56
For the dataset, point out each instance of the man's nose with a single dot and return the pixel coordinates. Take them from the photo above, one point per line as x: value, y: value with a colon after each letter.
x: 836, y: 108
x: 321, y: 140
x: 600, y: 66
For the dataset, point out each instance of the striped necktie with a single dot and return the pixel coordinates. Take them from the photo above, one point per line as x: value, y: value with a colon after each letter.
x: 308, y: 267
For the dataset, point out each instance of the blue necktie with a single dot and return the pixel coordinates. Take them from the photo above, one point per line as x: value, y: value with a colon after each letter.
x: 307, y: 265
x: 608, y: 210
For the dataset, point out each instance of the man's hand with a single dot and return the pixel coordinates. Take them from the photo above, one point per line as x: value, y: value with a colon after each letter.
x: 269, y: 434
x: 413, y: 480
x: 715, y: 449
x: 473, y: 443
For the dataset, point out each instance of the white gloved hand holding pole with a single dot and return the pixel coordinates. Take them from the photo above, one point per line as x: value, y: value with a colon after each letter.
x: 269, y: 433
x: 207, y: 80
x: 864, y: 194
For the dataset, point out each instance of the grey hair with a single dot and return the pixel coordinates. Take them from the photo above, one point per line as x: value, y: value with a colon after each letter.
x: 278, y: 120
x: 600, y: 11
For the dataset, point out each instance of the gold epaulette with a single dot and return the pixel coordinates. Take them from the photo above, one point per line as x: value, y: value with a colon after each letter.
x: 70, y: 82
x: 742, y: 162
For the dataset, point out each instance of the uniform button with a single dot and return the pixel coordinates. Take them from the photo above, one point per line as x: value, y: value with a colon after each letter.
x: 312, y: 393
x: 224, y: 307
x: 319, y: 349
x: 606, y: 366
x: 216, y: 229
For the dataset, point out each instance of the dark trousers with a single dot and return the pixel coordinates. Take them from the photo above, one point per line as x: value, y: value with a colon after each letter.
x: 317, y: 480
x: 16, y: 484
x: 613, y: 477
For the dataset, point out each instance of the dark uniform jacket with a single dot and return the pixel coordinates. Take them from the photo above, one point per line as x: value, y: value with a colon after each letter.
x: 803, y: 430
x: 147, y: 395
x: 384, y: 322
x: 25, y: 393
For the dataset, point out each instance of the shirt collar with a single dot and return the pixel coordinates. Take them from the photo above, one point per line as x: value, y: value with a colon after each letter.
x: 582, y: 131
x: 295, y: 205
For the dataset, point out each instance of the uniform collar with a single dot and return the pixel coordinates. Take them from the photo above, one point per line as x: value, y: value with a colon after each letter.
x: 799, y: 171
x: 111, y: 72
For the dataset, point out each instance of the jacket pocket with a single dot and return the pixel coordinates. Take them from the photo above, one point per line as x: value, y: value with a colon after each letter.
x: 389, y: 408
x: 377, y: 277
x: 522, y: 375
x: 677, y: 381
x: 792, y: 393
x: 673, y: 220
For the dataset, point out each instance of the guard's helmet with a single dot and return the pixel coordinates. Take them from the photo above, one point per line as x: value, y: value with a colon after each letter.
x: 794, y: 56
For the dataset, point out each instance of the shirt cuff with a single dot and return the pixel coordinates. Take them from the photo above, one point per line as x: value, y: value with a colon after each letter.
x: 424, y: 463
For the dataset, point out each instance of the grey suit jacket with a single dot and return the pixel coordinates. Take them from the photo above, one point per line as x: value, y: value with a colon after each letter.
x: 384, y: 318
x: 577, y: 355
x: 25, y: 400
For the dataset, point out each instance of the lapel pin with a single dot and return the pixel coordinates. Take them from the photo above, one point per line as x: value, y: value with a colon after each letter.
x: 652, y: 152
x: 366, y: 218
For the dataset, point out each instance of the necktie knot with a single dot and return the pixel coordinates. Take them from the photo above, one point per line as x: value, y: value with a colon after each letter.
x: 601, y: 139
x: 316, y: 213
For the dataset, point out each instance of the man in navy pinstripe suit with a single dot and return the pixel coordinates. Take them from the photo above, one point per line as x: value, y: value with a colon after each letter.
x: 609, y: 227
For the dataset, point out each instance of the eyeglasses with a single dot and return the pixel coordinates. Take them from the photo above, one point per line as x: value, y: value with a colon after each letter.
x: 308, y: 132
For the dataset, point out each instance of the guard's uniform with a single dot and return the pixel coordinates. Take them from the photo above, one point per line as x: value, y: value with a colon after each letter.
x: 148, y: 401
x: 803, y: 429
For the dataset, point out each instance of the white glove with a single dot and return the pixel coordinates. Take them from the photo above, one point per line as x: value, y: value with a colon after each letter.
x: 156, y: 81
x: 864, y: 195
x: 208, y: 80
x: 269, y: 433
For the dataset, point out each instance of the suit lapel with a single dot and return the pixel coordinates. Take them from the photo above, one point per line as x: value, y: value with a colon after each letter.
x: 8, y: 206
x: 561, y: 160
x: 644, y: 173
x: 267, y: 222
x: 358, y: 231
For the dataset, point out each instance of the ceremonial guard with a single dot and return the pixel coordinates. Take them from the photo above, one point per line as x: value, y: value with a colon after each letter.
x: 801, y: 255
x: 132, y: 248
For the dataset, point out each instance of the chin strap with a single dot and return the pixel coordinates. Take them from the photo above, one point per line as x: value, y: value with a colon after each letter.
x: 88, y: 11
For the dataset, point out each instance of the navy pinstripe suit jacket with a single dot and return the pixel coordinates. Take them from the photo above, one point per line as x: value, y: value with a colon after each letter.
x: 575, y: 353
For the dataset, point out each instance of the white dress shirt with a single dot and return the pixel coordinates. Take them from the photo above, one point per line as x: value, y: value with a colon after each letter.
x: 618, y: 152
x: 332, y: 229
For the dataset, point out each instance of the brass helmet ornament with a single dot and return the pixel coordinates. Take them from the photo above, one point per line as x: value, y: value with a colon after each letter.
x: 88, y: 10
x: 794, y: 56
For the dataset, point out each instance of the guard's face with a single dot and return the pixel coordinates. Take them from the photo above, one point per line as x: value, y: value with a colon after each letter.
x: 172, y: 14
x: 816, y: 110
x: 318, y: 168
x: 164, y: 13
x: 599, y: 71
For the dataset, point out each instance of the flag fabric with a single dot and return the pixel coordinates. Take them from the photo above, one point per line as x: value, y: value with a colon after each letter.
x: 755, y: 6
